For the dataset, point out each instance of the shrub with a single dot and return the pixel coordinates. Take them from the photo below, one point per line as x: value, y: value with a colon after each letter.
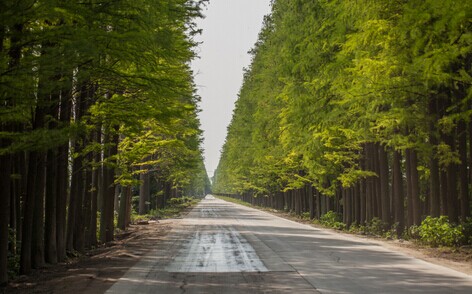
x: 375, y: 227
x: 333, y: 220
x: 437, y: 231
x: 467, y: 230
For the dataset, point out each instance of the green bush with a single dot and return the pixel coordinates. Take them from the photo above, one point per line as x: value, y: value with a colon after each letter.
x: 181, y: 202
x: 467, y: 230
x: 437, y: 231
x: 376, y: 227
x: 333, y: 220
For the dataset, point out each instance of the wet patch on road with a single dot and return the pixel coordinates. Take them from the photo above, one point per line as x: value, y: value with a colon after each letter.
x: 223, y: 250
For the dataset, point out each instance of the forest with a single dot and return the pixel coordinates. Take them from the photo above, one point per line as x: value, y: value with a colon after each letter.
x: 360, y: 110
x: 97, y: 101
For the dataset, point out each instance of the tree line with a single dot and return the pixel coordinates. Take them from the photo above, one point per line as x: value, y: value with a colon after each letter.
x: 358, y: 107
x: 97, y: 98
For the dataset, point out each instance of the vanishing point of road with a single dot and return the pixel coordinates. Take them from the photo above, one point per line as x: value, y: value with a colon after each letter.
x: 221, y: 247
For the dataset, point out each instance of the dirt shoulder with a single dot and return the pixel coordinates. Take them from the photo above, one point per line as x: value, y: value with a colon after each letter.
x: 99, y: 269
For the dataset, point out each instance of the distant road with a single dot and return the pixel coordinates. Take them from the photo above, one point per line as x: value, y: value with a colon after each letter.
x: 222, y: 247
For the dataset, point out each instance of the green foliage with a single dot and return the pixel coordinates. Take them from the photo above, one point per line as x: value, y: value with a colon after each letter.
x: 333, y: 220
x: 467, y: 230
x: 438, y: 231
x: 375, y: 227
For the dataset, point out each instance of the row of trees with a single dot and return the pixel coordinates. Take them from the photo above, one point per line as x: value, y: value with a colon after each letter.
x: 93, y: 95
x: 362, y: 107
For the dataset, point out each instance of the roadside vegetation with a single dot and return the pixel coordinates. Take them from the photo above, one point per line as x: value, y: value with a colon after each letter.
x: 175, y: 207
x: 97, y: 106
x: 358, y: 115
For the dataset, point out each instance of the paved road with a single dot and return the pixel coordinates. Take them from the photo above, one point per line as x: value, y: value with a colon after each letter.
x: 222, y: 247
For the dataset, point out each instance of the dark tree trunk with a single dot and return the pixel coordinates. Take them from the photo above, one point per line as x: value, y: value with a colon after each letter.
x: 452, y: 197
x: 50, y: 223
x: 5, y: 185
x: 63, y: 174
x: 384, y: 180
x: 311, y: 201
x: 87, y: 216
x: 464, y: 184
x: 94, y: 192
x: 38, y: 216
x: 370, y: 185
x: 435, y: 201
x: 51, y: 208
x: 124, y: 208
x: 357, y: 203
x: 443, y: 191
x: 409, y: 188
x: 107, y: 216
x: 398, y: 195
x: 415, y: 188
x: 144, y: 193
x: 376, y: 199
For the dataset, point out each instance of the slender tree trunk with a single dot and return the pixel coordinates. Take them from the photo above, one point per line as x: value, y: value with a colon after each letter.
x: 94, y: 192
x: 107, y: 216
x: 87, y: 216
x: 435, y: 201
x: 63, y: 173
x: 50, y: 223
x: 443, y: 191
x: 384, y: 180
x: 376, y: 199
x: 5, y: 185
x: 357, y: 203
x: 51, y: 208
x: 124, y: 208
x: 452, y: 197
x: 311, y: 201
x: 398, y: 192
x: 144, y: 193
x: 370, y: 185
x: 409, y: 196
x: 38, y: 258
x: 415, y: 188
x: 464, y: 184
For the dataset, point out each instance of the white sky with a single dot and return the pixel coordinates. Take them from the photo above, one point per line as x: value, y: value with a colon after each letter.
x: 230, y: 30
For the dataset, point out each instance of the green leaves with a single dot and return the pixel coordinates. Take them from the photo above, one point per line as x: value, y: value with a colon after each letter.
x: 327, y: 77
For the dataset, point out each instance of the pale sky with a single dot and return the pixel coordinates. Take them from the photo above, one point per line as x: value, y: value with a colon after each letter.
x: 230, y: 30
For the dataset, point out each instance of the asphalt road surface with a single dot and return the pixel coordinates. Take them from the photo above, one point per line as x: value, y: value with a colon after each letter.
x: 222, y: 247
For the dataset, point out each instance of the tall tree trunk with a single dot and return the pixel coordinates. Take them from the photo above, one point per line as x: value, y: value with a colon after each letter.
x: 50, y: 223
x: 38, y: 258
x: 451, y: 170
x: 443, y: 191
x: 124, y: 208
x: 51, y: 208
x: 144, y: 192
x: 409, y: 192
x: 87, y: 216
x: 357, y: 203
x: 376, y: 199
x: 384, y: 180
x: 107, y: 216
x: 464, y: 184
x: 311, y: 201
x: 398, y: 195
x: 415, y: 193
x: 435, y: 201
x: 94, y: 191
x: 5, y: 184
x: 63, y: 172
x: 370, y: 185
